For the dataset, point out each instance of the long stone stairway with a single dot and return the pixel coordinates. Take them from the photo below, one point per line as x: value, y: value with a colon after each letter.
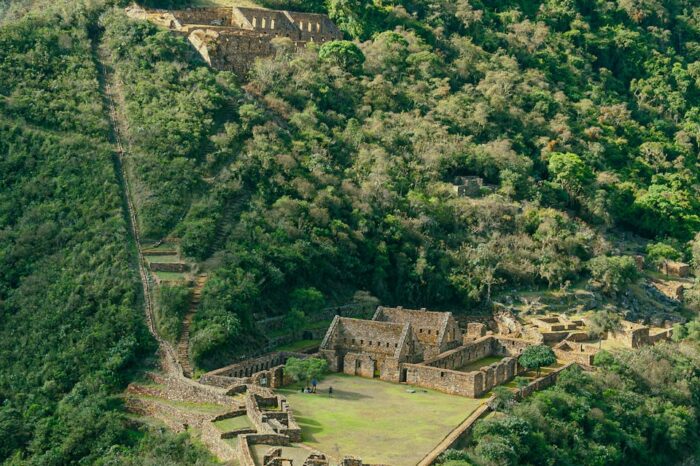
x: 183, y: 346
x: 226, y: 222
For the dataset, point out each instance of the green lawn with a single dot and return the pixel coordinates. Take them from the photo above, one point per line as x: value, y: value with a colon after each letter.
x: 163, y: 259
x: 299, y: 346
x: 378, y: 421
x: 479, y: 363
x: 234, y: 423
x: 171, y: 276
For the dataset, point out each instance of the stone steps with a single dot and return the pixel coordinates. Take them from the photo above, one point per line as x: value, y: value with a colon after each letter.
x: 183, y: 346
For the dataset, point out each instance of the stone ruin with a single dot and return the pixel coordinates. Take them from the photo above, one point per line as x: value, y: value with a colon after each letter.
x: 231, y: 38
x: 421, y: 348
x: 468, y: 186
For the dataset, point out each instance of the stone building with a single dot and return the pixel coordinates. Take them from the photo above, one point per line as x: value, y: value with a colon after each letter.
x: 422, y: 348
x: 231, y: 38
x: 368, y: 348
x: 437, y: 332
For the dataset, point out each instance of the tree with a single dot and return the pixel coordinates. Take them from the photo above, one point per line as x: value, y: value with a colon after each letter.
x: 569, y: 171
x: 537, y: 356
x: 342, y: 53
x: 303, y: 370
x: 307, y: 300
x: 503, y: 398
x: 603, y: 322
x: 613, y: 273
x: 660, y: 252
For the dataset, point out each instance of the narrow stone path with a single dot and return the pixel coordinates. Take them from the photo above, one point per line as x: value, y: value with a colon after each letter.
x: 183, y: 346
x: 117, y: 126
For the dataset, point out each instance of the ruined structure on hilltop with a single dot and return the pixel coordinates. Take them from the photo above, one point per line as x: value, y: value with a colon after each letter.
x: 231, y: 38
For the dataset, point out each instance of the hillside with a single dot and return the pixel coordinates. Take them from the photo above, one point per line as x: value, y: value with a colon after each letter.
x: 334, y: 170
x: 330, y: 176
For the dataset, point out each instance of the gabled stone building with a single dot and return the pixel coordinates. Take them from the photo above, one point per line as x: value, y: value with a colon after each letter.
x: 437, y: 332
x: 368, y: 348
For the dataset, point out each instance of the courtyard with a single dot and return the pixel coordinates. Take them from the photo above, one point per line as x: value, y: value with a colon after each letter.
x: 380, y: 422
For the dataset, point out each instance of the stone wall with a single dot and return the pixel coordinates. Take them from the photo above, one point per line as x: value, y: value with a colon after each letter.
x: 436, y: 331
x: 444, y: 380
x: 678, y: 269
x: 169, y: 267
x: 204, y: 16
x: 631, y: 337
x: 475, y: 330
x: 459, y: 357
x: 511, y: 346
x: 251, y: 366
x: 443, y: 374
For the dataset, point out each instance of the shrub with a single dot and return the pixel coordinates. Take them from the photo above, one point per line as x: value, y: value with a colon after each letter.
x: 613, y: 273
x: 172, y: 303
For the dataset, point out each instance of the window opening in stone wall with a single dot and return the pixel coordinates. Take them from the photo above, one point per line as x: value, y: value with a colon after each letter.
x: 262, y: 23
x: 442, y: 374
x: 272, y: 24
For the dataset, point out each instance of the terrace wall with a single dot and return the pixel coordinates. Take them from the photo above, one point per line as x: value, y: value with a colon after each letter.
x: 251, y: 366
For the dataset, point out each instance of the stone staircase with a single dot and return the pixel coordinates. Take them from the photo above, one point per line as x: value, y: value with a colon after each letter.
x: 225, y: 224
x: 183, y: 346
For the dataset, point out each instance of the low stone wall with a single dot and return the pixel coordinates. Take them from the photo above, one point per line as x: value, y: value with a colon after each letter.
x: 229, y: 415
x: 583, y: 358
x: 444, y: 380
x: 245, y: 456
x: 250, y: 366
x: 543, y: 382
x: 459, y: 357
x: 169, y: 267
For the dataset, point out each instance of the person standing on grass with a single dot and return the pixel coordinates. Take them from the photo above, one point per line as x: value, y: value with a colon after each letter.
x: 330, y: 392
x: 314, y: 382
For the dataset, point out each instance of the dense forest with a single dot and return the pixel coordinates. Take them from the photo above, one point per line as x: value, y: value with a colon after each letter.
x: 331, y: 171
x: 640, y: 407
x: 72, y: 331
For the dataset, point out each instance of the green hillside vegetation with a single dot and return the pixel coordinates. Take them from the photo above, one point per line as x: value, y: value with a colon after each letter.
x: 332, y: 168
x: 330, y: 171
x: 639, y: 408
x: 71, y: 327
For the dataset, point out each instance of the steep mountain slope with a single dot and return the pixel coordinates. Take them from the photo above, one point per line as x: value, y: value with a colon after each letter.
x: 578, y: 120
x: 71, y: 323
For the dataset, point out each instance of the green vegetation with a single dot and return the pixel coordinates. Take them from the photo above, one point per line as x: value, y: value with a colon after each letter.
x: 305, y: 370
x: 370, y: 418
x: 172, y: 303
x: 537, y: 356
x: 328, y: 172
x: 331, y: 169
x: 603, y: 322
x: 639, y: 408
x: 614, y: 273
x: 71, y: 324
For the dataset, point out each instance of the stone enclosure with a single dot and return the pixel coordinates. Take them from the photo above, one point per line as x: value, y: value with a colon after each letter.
x: 421, y: 348
x: 231, y: 38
